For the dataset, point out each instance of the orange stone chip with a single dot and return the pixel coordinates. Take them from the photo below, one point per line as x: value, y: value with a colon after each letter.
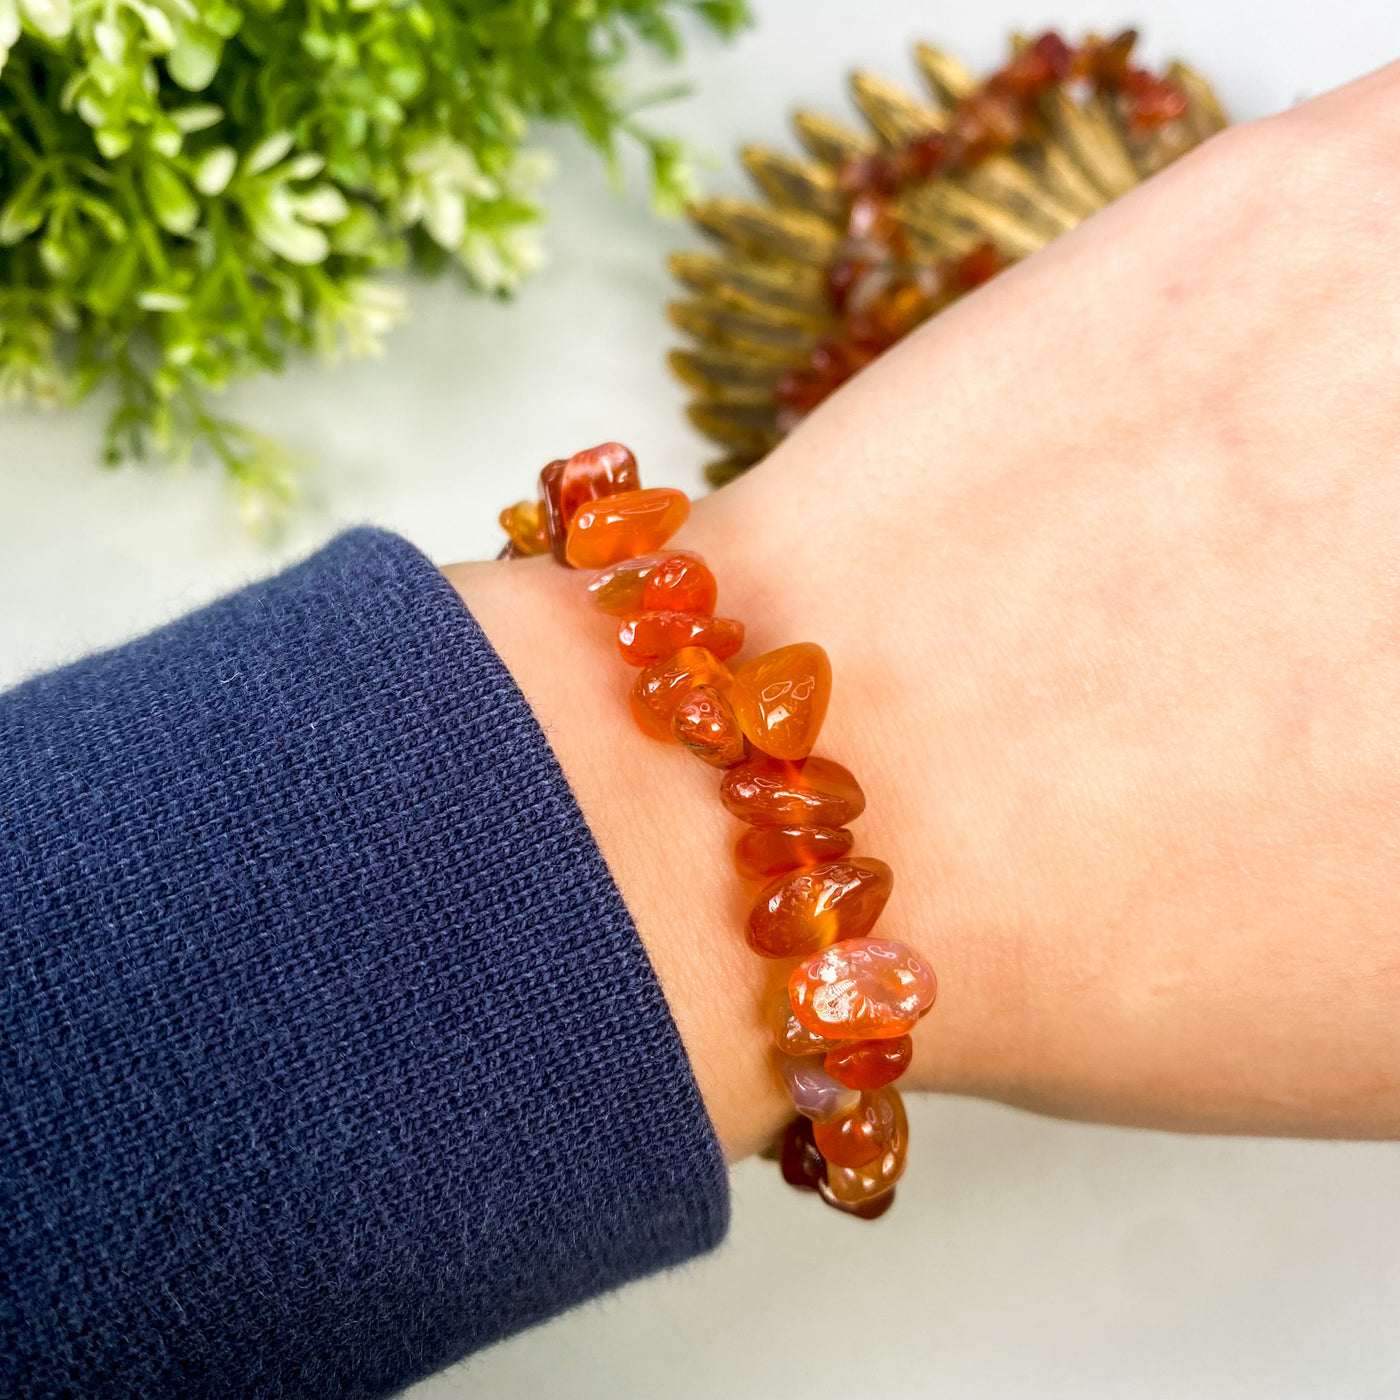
x: 621, y: 527
x: 621, y: 588
x: 869, y: 1064
x: 704, y: 722
x: 862, y: 989
x: 662, y: 686
x: 682, y: 582
x: 781, y: 699
x: 774, y: 792
x: 567, y: 486
x: 765, y: 851
x: 876, y: 1126
x: 525, y: 526
x: 789, y: 1034
x: 856, y: 1189
x: 649, y: 636
x: 808, y: 909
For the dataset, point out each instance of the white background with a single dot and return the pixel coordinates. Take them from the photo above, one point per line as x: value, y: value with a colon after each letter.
x: 1025, y: 1258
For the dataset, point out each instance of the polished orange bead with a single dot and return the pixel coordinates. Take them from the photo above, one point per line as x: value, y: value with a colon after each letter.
x: 661, y: 687
x: 1152, y: 101
x: 862, y: 989
x: 789, y: 1034
x: 567, y: 486
x: 870, y: 1208
x: 524, y: 524
x: 622, y: 527
x: 928, y: 154
x: 621, y: 588
x: 976, y: 266
x: 869, y: 1064
x: 648, y: 636
x: 766, y: 851
x: 550, y: 510
x: 811, y: 792
x: 704, y: 722
x: 872, y: 217
x: 890, y: 316
x: 807, y: 910
x: 682, y: 583
x: 988, y: 120
x: 875, y: 1126
x: 781, y: 699
x: 852, y: 1188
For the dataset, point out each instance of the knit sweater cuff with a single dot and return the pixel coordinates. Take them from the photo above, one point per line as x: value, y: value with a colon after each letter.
x: 328, y: 1050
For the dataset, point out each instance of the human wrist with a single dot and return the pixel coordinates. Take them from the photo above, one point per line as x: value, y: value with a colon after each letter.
x: 651, y: 810
x: 800, y: 557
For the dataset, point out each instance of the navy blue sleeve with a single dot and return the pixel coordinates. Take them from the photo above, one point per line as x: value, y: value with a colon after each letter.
x: 328, y: 1050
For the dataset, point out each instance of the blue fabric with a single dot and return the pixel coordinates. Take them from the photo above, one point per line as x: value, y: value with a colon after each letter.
x: 328, y: 1050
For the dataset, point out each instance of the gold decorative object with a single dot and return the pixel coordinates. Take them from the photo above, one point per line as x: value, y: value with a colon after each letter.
x: 874, y: 230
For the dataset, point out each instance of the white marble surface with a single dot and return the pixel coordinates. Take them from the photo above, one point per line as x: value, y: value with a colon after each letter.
x: 1028, y: 1260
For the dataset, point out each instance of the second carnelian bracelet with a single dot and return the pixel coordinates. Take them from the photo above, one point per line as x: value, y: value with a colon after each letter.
x: 841, y: 1020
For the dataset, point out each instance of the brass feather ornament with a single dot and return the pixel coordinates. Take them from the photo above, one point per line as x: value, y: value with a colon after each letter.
x: 872, y: 231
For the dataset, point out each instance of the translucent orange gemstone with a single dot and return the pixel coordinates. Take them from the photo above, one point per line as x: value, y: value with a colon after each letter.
x: 1152, y: 101
x: 649, y: 636
x: 811, y: 792
x: 862, y: 989
x: 550, y: 510
x: 806, y: 910
x: 524, y: 524
x: 704, y: 722
x: 854, y: 1188
x: 781, y: 698
x: 683, y: 583
x: 789, y: 1034
x: 766, y: 851
x: 622, y: 527
x: 621, y: 588
x: 661, y: 687
x: 568, y: 485
x: 872, y: 217
x: 869, y: 1064
x: 869, y: 1208
x: 988, y: 120
x: 875, y: 1126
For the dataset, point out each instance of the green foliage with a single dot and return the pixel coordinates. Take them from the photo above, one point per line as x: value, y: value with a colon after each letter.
x: 190, y: 189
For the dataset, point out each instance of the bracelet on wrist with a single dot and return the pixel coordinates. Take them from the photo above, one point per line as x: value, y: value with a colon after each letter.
x: 841, y: 1018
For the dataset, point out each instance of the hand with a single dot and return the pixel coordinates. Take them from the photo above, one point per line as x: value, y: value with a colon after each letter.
x: 1107, y: 560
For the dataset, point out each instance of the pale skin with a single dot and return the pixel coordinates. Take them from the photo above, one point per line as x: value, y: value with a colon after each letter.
x: 1107, y: 562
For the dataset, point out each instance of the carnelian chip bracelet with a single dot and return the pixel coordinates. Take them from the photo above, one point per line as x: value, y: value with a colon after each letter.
x: 876, y: 290
x: 841, y: 1020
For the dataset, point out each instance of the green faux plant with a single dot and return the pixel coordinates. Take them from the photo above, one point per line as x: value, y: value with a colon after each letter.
x: 191, y: 189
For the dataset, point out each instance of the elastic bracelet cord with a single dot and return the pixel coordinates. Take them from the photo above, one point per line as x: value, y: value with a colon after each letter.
x: 841, y: 1020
